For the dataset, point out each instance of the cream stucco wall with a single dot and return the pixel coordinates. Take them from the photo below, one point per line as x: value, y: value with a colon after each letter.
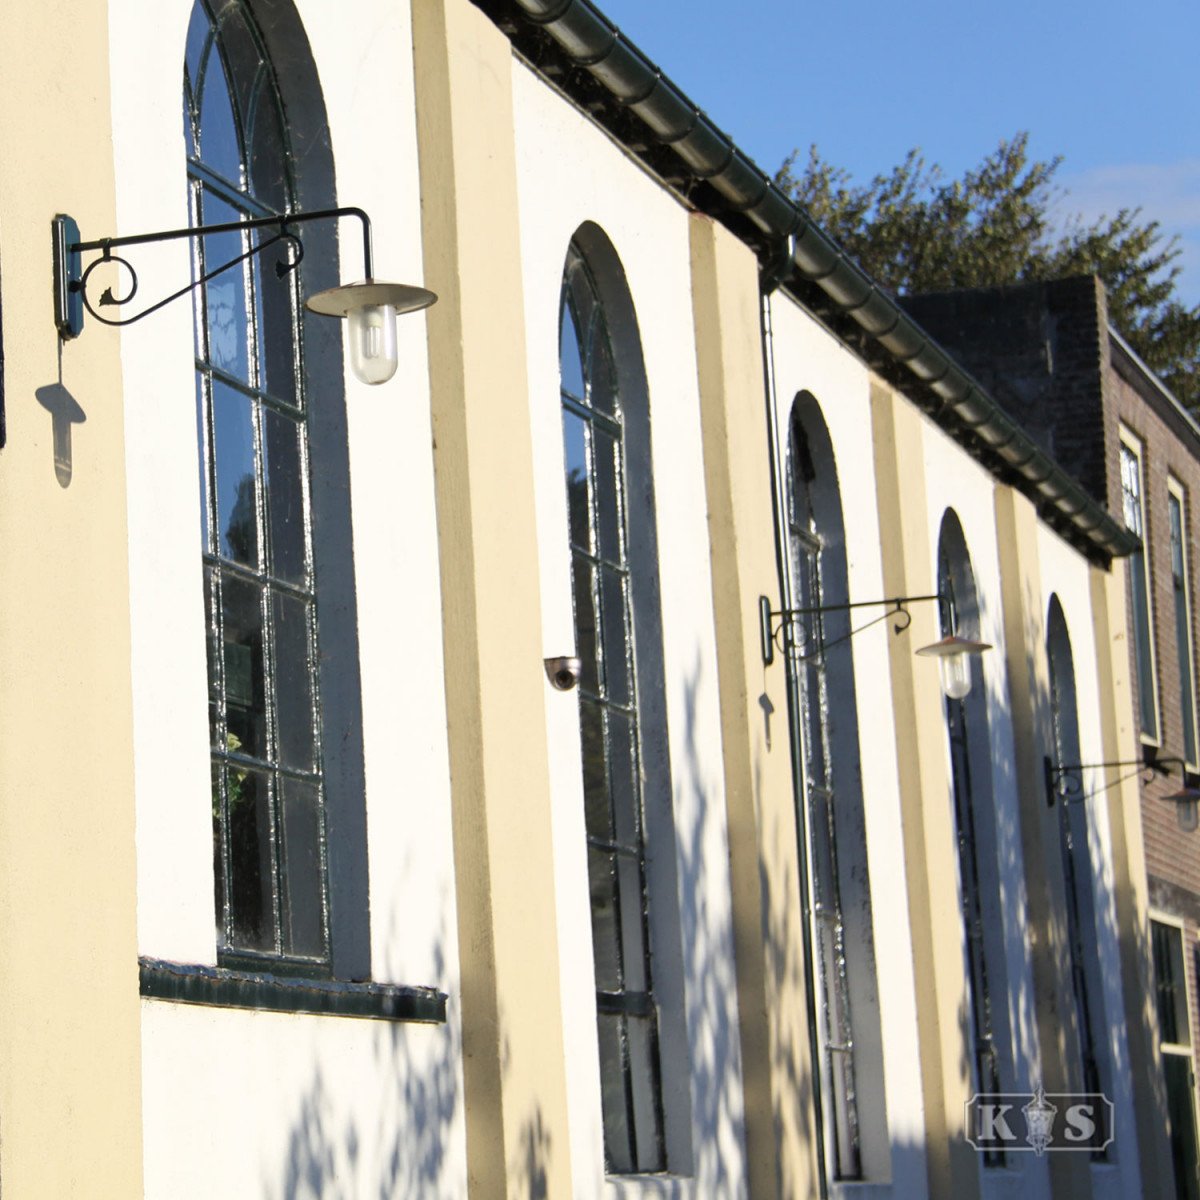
x: 569, y: 173
x: 70, y: 1107
x: 384, y: 1102
x: 806, y: 358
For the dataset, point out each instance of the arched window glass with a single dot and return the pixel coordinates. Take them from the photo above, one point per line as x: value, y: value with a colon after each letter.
x: 614, y: 696
x: 269, y: 843
x: 1087, y: 978
x: 831, y: 818
x: 979, y: 889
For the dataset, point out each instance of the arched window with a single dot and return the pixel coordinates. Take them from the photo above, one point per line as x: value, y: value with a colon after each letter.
x: 270, y: 768
x: 626, y: 783
x: 831, y: 818
x: 1087, y: 977
x: 974, y: 821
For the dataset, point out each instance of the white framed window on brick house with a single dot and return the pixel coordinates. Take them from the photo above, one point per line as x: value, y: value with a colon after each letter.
x: 1177, y: 517
x: 1167, y: 941
x: 1133, y: 509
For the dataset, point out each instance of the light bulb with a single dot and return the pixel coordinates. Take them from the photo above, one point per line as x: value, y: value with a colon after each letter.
x: 955, y: 672
x: 373, y: 354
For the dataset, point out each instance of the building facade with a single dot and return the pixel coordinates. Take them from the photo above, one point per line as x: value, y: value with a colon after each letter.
x: 353, y: 890
x: 1048, y: 352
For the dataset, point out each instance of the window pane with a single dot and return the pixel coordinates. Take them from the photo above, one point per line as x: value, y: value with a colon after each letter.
x: 618, y: 669
x: 578, y: 504
x: 304, y: 921
x: 245, y: 702
x: 293, y: 682
x: 618, y: 1147
x: 595, y: 770
x: 287, y: 536
x: 252, y: 896
x: 219, y: 145
x: 605, y: 946
x: 647, y: 1103
x: 225, y: 295
x: 634, y: 975
x: 275, y: 308
x: 1182, y: 1120
x: 623, y: 779
x: 609, y: 519
x: 570, y: 361
x: 585, y: 626
x: 602, y: 376
x: 237, y: 501
x: 1170, y: 985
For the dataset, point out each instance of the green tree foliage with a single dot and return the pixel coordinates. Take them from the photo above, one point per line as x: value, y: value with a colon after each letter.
x: 916, y: 231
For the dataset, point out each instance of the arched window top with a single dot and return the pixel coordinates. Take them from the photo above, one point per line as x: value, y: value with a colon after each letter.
x: 585, y: 345
x: 956, y: 580
x: 1058, y: 637
x: 233, y: 115
x: 814, y: 498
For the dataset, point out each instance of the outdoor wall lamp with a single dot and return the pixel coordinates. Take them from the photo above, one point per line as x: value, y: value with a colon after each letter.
x: 371, y: 306
x: 1065, y: 781
x: 787, y: 630
x: 1187, y: 804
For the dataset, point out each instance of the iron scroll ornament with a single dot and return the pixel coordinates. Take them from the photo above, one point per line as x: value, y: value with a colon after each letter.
x: 1065, y: 781
x: 71, y: 277
x: 786, y: 629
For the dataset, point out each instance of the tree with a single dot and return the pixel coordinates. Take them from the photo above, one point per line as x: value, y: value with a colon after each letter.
x: 916, y: 231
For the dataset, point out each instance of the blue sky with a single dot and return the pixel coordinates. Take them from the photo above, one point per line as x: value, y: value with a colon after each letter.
x: 1114, y: 90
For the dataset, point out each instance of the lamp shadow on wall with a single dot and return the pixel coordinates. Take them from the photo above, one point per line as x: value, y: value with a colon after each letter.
x: 64, y: 411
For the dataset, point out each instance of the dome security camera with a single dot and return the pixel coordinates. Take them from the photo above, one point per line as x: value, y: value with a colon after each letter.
x: 563, y: 672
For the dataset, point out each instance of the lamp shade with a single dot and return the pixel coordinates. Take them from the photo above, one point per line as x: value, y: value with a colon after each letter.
x: 371, y: 308
x: 1187, y: 807
x: 954, y: 656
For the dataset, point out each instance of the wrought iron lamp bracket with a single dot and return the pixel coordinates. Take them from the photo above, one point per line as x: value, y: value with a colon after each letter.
x: 1065, y: 781
x: 787, y: 630
x: 71, y: 277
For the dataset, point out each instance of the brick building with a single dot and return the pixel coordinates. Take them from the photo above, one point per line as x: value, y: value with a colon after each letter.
x: 1047, y: 352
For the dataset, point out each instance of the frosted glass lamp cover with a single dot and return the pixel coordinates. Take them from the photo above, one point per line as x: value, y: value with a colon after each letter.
x: 370, y: 308
x: 1189, y: 816
x: 954, y: 656
x: 955, y: 672
x: 373, y: 353
x: 1187, y: 807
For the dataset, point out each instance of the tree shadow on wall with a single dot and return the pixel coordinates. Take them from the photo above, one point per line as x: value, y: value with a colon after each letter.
x: 407, y: 1150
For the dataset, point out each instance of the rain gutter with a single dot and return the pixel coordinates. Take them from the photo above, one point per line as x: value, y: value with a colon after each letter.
x: 719, y: 178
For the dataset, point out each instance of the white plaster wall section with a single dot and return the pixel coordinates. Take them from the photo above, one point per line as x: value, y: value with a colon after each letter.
x: 364, y: 58
x: 385, y: 1097
x: 955, y: 480
x: 568, y: 173
x: 218, y: 1082
x: 808, y: 359
x: 1066, y: 574
x: 171, y: 762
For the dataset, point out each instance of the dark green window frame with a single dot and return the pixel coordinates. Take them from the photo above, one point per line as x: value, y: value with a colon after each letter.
x: 269, y: 837
x: 610, y: 730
